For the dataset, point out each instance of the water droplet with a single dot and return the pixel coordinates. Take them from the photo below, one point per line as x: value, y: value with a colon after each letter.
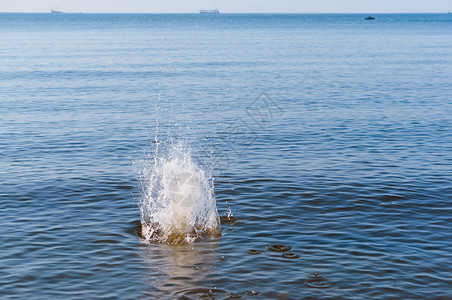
x: 227, y: 220
x: 222, y: 258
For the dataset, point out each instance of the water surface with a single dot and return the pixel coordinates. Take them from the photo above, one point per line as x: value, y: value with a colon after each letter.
x: 345, y: 158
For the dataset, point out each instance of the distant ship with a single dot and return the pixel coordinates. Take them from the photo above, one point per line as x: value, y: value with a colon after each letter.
x: 209, y: 12
x: 369, y: 18
x: 55, y: 11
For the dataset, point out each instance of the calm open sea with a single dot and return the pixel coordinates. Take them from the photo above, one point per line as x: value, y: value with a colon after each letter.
x: 329, y: 134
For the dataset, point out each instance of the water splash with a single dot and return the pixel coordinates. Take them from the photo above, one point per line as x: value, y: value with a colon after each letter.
x: 178, y: 202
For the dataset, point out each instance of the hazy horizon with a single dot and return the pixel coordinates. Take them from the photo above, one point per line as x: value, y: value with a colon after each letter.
x: 221, y: 12
x: 233, y: 6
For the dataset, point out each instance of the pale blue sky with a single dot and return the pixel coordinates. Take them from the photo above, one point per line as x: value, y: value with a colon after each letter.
x: 228, y: 6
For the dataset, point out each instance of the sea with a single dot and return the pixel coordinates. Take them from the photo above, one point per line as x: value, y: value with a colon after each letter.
x: 322, y: 143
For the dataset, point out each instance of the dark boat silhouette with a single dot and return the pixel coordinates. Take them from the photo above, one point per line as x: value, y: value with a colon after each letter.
x: 369, y: 18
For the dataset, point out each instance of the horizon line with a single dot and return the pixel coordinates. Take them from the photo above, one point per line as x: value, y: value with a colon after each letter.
x: 221, y: 13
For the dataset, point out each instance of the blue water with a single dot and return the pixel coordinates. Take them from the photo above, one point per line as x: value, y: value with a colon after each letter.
x: 326, y: 133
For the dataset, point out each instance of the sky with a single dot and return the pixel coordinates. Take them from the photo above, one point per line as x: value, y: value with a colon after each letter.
x: 229, y: 6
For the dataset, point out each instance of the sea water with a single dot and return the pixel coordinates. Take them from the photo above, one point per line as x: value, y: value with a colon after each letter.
x: 321, y: 142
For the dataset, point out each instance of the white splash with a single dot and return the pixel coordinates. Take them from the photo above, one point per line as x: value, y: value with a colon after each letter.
x: 178, y: 202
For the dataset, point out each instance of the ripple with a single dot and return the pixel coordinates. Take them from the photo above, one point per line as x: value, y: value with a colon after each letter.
x: 251, y: 293
x: 279, y: 248
x: 202, y: 293
x: 290, y: 255
x: 254, y: 252
x: 316, y: 280
x: 124, y: 187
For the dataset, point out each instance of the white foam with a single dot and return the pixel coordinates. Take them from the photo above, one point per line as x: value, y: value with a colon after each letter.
x: 178, y: 202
